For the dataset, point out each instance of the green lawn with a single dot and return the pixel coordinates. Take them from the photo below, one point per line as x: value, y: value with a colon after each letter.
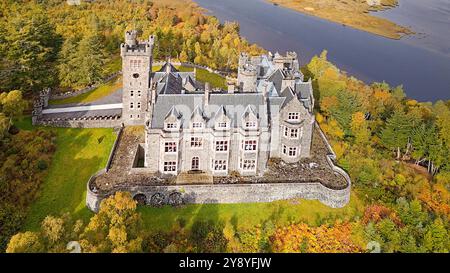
x: 98, y: 93
x: 246, y: 215
x: 108, y: 88
x: 79, y: 154
x: 202, y: 75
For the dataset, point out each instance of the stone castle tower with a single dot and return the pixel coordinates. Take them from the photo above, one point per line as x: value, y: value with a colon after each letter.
x: 247, y: 74
x: 136, y: 68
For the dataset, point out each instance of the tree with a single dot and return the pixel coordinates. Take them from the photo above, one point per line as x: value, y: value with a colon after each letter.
x: 31, y: 51
x: 90, y: 59
x: 397, y: 132
x: 443, y: 121
x: 436, y: 238
x: 115, y: 228
x: 4, y: 125
x: 12, y: 104
x: 27, y: 242
x: 359, y: 128
x: 68, y: 69
x: 348, y: 104
x: 428, y: 146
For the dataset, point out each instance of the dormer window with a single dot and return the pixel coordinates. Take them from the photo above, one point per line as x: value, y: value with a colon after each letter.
x: 197, y: 125
x: 295, y: 116
x: 171, y: 126
x: 222, y: 125
x: 250, y: 124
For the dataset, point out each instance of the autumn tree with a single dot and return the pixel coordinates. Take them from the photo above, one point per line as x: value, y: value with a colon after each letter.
x: 397, y: 133
x: 115, y: 228
x: 31, y: 47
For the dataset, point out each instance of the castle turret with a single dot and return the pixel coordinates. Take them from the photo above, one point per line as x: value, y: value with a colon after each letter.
x: 136, y: 69
x: 247, y: 74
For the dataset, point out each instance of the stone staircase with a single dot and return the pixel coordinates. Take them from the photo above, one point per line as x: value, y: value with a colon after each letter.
x: 194, y: 178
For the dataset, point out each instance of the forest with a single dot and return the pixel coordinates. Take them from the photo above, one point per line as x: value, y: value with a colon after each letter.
x: 395, y: 149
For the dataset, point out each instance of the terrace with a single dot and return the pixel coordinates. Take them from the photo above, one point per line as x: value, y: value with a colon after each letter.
x: 126, y: 168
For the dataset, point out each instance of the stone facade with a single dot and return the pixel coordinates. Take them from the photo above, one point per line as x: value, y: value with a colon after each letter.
x: 189, y: 127
x: 136, y: 69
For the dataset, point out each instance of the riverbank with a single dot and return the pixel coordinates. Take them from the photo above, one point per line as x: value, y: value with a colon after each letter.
x: 353, y: 13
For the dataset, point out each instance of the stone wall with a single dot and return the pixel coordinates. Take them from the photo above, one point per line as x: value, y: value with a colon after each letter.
x: 230, y: 193
x: 92, y: 122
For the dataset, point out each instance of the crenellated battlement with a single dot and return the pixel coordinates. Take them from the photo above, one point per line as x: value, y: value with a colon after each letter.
x: 134, y: 47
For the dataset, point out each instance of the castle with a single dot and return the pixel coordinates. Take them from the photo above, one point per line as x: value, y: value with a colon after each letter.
x: 267, y: 112
x: 255, y: 140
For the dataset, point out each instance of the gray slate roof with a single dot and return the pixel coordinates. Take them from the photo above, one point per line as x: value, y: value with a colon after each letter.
x: 235, y: 106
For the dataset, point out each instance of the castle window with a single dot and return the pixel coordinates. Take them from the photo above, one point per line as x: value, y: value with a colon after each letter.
x: 248, y: 164
x: 221, y: 146
x: 292, y: 151
x: 220, y: 165
x: 135, y: 64
x: 170, y: 147
x: 170, y: 166
x: 250, y: 124
x: 195, y: 163
x: 131, y: 105
x: 294, y: 133
x: 131, y: 116
x: 139, y: 93
x: 221, y: 125
x: 286, y: 131
x: 197, y: 125
x: 139, y: 105
x: 293, y: 116
x: 136, y: 75
x: 249, y: 145
x: 131, y: 93
x: 196, y: 142
x: 171, y: 125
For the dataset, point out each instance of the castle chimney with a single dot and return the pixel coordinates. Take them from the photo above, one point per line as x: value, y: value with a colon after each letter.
x: 266, y: 89
x: 168, y: 66
x: 231, y: 86
x: 153, y: 94
x: 207, y: 91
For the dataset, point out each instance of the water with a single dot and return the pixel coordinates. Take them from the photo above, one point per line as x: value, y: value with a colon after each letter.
x: 421, y: 63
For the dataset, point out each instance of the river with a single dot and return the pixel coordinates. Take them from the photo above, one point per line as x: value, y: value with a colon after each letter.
x: 421, y: 62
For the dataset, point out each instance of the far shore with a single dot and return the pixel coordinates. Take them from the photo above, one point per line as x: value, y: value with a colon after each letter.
x: 352, y: 13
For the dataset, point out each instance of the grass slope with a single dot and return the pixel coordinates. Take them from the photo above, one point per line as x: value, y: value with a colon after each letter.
x: 98, y: 93
x: 79, y: 154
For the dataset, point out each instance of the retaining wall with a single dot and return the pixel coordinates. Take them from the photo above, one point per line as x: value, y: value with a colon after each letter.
x: 81, y: 123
